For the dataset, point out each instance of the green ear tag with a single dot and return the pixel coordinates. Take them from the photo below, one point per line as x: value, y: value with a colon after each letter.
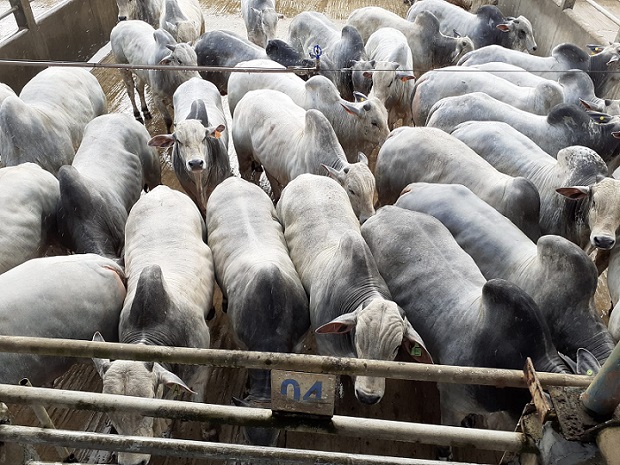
x: 416, y: 350
x: 602, y: 118
x: 589, y: 372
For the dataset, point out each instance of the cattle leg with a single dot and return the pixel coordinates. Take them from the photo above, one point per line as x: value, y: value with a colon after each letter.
x: 162, y: 106
x: 144, y: 108
x: 130, y: 87
x: 276, y: 188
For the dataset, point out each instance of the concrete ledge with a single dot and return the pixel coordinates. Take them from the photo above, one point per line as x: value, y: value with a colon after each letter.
x: 74, y: 31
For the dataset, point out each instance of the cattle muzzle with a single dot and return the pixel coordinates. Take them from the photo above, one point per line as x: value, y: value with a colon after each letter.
x: 603, y: 242
x: 196, y: 164
x: 368, y: 399
x: 122, y: 18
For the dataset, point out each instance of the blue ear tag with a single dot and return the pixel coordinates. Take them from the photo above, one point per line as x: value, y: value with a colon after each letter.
x: 416, y: 350
x: 318, y: 51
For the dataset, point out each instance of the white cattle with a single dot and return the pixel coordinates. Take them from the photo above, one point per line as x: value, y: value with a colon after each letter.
x: 565, y: 125
x: 458, y: 80
x: 74, y: 296
x: 361, y: 126
x: 265, y: 301
x: 424, y: 154
x: 270, y: 130
x: 261, y: 20
x: 430, y: 48
x: 28, y: 198
x: 148, y: 11
x: 392, y: 78
x: 137, y: 43
x: 199, y: 142
x: 602, y: 66
x: 464, y: 319
x: 556, y: 273
x: 183, y: 19
x: 585, y: 213
x: 344, y: 57
x: 170, y: 285
x: 44, y: 125
x: 487, y: 26
x: 103, y: 183
x: 347, y: 293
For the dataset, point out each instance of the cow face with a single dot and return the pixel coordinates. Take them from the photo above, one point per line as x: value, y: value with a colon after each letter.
x: 373, y: 118
x: 359, y: 182
x: 380, y: 330
x: 138, y: 379
x: 520, y: 33
x: 602, y: 211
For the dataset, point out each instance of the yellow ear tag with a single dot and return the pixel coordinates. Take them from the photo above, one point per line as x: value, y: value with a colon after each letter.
x: 601, y: 118
x: 218, y: 134
x: 416, y: 350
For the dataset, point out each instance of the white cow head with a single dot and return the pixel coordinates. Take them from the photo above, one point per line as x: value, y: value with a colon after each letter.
x: 268, y: 22
x: 388, y: 82
x: 520, y: 32
x: 139, y: 379
x: 380, y: 330
x: 145, y: 10
x: 603, y: 214
x: 373, y: 119
x: 359, y: 182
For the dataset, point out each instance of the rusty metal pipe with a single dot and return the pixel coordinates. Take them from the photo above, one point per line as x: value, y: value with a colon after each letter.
x: 257, y: 417
x: 280, y: 361
x: 198, y: 449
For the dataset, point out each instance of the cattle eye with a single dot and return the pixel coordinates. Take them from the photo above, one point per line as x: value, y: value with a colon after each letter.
x: 375, y: 124
x: 521, y: 33
x: 352, y: 192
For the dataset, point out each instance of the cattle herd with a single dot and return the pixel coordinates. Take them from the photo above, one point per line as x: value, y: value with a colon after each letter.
x: 433, y: 187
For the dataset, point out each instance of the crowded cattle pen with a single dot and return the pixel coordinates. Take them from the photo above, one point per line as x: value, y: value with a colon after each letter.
x: 348, y: 234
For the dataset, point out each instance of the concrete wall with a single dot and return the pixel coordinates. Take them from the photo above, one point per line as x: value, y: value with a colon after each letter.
x: 74, y: 30
x: 553, y: 23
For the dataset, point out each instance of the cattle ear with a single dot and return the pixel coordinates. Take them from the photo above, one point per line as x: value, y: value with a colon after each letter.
x: 101, y: 364
x: 504, y: 27
x: 351, y: 109
x: 342, y: 324
x: 367, y: 74
x: 591, y: 105
x: 162, y: 141
x: 216, y: 132
x: 414, y: 345
x: 359, y: 97
x: 616, y: 134
x: 169, y: 379
x: 595, y: 48
x: 362, y: 158
x: 404, y: 76
x: 587, y: 364
x: 574, y: 192
x: 335, y: 174
x: 598, y: 117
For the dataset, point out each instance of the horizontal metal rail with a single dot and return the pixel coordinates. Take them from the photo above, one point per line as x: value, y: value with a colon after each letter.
x: 299, y: 70
x: 604, y: 11
x: 8, y: 12
x: 87, y: 64
x: 280, y: 361
x: 197, y: 449
x: 257, y: 417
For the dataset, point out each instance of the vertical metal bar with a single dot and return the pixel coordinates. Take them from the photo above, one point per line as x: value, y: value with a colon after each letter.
x: 23, y: 15
x: 46, y: 421
x: 603, y: 395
